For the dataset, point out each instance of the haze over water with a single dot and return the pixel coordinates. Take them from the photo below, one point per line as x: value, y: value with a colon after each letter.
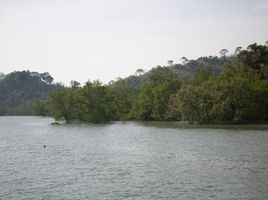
x: 130, y: 161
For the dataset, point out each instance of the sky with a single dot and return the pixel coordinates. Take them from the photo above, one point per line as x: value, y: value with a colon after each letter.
x: 105, y: 39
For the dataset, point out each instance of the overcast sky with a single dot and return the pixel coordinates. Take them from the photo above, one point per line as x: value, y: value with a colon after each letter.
x: 105, y: 39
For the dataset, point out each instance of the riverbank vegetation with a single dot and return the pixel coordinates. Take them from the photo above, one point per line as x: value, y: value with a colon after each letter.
x: 230, y: 89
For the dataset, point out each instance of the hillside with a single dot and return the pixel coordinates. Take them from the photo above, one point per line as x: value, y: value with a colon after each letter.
x: 207, y: 90
x: 20, y: 91
x: 184, y: 71
x: 25, y: 92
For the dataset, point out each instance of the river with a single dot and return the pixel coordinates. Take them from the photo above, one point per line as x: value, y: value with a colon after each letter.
x: 131, y: 160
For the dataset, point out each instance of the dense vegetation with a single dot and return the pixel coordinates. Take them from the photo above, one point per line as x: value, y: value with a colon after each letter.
x: 231, y: 89
x: 23, y: 93
x: 228, y: 89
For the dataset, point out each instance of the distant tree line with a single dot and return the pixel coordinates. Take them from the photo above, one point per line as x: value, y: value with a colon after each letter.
x: 231, y: 89
x: 25, y: 92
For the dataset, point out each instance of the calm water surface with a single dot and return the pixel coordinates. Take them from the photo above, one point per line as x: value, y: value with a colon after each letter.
x: 130, y: 161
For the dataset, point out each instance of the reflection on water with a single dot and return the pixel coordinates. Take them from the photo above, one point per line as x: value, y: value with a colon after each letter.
x: 131, y: 160
x: 162, y: 124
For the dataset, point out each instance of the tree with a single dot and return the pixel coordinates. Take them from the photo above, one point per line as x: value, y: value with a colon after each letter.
x: 152, y: 101
x: 2, y: 76
x: 139, y: 72
x: 21, y: 90
x: 223, y: 52
x: 193, y: 103
x: 122, y: 95
x: 170, y: 62
x: 161, y: 74
x: 238, y: 50
x: 234, y: 103
x: 46, y: 77
x: 161, y: 95
x: 96, y: 104
x: 255, y: 57
x: 41, y: 109
x: 60, y: 105
x: 75, y: 84
x: 184, y: 60
x: 143, y: 105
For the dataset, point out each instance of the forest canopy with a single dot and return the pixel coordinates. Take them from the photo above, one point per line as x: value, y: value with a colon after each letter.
x: 229, y: 89
x: 23, y: 92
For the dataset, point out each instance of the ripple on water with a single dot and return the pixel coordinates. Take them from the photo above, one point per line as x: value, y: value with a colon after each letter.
x: 130, y: 161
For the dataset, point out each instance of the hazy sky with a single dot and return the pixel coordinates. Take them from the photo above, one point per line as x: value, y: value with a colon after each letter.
x: 105, y: 39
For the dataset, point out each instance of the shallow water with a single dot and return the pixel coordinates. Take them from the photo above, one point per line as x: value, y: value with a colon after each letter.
x: 131, y: 160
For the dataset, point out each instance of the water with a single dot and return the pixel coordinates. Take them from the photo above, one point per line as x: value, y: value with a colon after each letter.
x: 131, y: 161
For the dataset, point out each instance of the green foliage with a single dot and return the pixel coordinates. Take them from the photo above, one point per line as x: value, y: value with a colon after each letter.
x: 239, y: 94
x: 161, y: 74
x: 255, y: 57
x: 193, y: 102
x: 90, y: 103
x: 95, y: 103
x: 241, y: 97
x: 152, y: 101
x: 60, y: 105
x: 161, y: 97
x: 143, y: 106
x: 206, y: 90
x: 20, y: 91
x: 122, y: 95
x: 40, y: 108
